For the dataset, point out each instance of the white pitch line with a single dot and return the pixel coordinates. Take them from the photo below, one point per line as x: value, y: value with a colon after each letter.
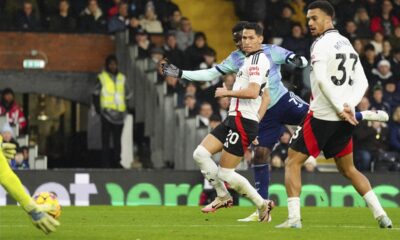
x: 198, y: 225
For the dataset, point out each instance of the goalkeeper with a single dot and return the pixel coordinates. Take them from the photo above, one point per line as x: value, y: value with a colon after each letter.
x: 13, y: 186
x: 285, y: 107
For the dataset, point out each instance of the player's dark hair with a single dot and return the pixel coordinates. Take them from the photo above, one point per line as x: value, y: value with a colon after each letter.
x: 254, y: 26
x: 325, y: 6
x: 239, y: 26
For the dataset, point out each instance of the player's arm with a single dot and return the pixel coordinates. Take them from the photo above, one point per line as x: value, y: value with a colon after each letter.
x: 281, y: 55
x: 227, y: 66
x: 360, y: 85
x: 251, y: 92
x: 265, y: 100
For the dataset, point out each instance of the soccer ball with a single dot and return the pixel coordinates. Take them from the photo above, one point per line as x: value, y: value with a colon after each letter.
x: 50, y: 203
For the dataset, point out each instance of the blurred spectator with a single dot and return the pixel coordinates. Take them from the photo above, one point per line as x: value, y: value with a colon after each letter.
x: 350, y: 30
x: 120, y: 21
x: 194, y: 54
x: 377, y: 42
x: 174, y: 21
x: 205, y: 114
x: 372, y: 7
x: 190, y: 104
x: 396, y: 8
x: 346, y: 9
x: 362, y: 21
x: 386, y: 53
x: 8, y: 134
x: 63, y: 22
x: 19, y: 163
x: 209, y: 58
x: 297, y: 42
x: 390, y: 95
x: 280, y: 150
x: 377, y: 102
x: 110, y: 102
x: 185, y: 35
x: 26, y: 20
x: 9, y: 107
x: 156, y: 55
x: 174, y: 55
x: 394, y: 39
x: 223, y: 107
x: 149, y: 21
x: 92, y: 19
x: 395, y: 130
x: 299, y: 15
x: 395, y: 63
x: 175, y: 87
x: 385, y: 22
x: 143, y: 43
x: 368, y: 62
x: 164, y: 9
x: 191, y: 88
x: 382, y: 73
x: 215, y: 120
x: 358, y: 46
x: 281, y: 27
x: 114, y: 10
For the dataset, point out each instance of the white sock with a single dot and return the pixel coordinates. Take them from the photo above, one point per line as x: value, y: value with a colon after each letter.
x: 209, y: 170
x: 374, y: 204
x: 241, y: 185
x: 294, y: 208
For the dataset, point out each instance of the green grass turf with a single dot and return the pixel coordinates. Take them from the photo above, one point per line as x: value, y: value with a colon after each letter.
x: 188, y: 223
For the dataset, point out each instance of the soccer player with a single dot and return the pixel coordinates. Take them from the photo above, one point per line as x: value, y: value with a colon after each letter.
x: 13, y: 186
x: 284, y: 108
x: 338, y: 83
x: 239, y: 129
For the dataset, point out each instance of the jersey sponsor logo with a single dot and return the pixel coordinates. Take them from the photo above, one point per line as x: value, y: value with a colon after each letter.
x: 254, y: 71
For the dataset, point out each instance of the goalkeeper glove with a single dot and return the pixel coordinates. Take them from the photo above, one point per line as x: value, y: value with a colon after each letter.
x: 9, y: 149
x: 298, y: 61
x: 43, y: 221
x: 169, y: 70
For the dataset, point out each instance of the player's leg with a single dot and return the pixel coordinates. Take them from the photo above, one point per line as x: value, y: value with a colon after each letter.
x: 14, y: 187
x: 361, y: 183
x: 202, y: 156
x: 240, y: 184
x: 303, y: 144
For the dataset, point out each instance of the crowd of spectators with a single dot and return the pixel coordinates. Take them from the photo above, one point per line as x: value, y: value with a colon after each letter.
x: 15, y: 123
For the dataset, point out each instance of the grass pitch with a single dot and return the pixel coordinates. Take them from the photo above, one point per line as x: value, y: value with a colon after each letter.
x: 188, y: 223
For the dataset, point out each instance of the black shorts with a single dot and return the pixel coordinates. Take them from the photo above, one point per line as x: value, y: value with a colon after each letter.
x: 334, y: 138
x: 236, y: 133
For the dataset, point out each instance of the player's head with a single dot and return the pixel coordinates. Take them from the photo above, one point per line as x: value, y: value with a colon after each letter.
x: 320, y: 16
x: 252, y: 37
x: 237, y: 33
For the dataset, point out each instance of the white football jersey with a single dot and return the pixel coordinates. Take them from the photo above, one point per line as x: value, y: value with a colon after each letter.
x: 337, y: 76
x: 255, y: 69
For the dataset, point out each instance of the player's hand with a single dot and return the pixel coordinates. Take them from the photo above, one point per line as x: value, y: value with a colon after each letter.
x: 298, y: 61
x: 348, y: 115
x: 167, y: 69
x: 9, y: 149
x: 255, y: 141
x: 221, y: 91
x: 44, y: 221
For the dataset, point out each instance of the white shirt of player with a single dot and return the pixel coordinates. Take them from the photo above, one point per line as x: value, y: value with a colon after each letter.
x: 254, y: 69
x: 337, y: 76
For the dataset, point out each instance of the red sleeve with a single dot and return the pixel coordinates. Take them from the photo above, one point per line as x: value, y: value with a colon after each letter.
x: 375, y: 25
x: 395, y: 21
